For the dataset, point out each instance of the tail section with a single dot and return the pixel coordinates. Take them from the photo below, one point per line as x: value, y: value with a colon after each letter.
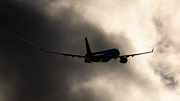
x: 87, y: 47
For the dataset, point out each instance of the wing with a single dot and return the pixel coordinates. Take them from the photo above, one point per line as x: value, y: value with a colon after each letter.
x: 73, y: 55
x: 126, y: 56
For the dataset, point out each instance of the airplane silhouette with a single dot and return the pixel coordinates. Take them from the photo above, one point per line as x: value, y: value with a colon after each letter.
x: 101, y: 56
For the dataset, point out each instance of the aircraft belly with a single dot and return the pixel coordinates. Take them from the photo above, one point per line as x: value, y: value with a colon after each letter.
x: 108, y: 58
x: 96, y: 59
x: 103, y: 56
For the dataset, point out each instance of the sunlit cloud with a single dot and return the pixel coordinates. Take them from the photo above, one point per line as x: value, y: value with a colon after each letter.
x: 148, y: 77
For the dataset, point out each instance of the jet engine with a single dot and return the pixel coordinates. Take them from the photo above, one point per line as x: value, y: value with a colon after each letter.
x: 123, y: 60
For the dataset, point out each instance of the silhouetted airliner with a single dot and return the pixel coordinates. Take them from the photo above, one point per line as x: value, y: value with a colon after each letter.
x: 101, y: 56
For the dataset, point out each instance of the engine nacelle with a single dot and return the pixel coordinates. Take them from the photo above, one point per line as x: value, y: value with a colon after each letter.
x: 123, y: 60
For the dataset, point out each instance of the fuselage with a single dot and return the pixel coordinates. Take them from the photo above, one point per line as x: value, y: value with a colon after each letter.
x: 102, y: 56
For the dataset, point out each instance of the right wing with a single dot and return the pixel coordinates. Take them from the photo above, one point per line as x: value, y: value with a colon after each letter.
x: 73, y: 55
x: 126, y: 56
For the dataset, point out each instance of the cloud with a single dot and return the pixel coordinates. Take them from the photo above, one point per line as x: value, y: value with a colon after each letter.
x: 40, y: 76
x: 61, y: 25
x: 167, y: 45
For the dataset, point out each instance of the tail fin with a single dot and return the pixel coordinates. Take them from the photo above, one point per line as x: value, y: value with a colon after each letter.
x: 87, y: 47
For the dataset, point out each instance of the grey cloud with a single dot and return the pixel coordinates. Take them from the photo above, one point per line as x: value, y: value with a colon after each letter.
x: 33, y: 75
x: 166, y: 46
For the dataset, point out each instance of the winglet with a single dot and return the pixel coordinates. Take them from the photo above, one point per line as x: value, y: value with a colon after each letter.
x: 42, y: 49
x: 152, y: 50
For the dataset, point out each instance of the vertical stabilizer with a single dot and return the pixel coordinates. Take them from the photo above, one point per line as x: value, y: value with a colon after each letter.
x: 87, y: 47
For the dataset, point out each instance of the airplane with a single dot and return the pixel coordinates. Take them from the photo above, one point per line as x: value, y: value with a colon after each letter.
x: 90, y: 57
x: 101, y: 56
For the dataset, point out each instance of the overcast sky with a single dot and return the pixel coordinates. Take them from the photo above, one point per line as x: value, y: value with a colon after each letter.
x: 28, y: 74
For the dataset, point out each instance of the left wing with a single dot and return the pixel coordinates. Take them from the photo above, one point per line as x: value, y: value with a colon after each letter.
x: 126, y: 56
x: 73, y: 55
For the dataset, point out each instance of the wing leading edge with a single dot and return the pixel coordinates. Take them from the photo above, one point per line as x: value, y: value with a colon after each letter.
x: 126, y: 56
x: 73, y: 55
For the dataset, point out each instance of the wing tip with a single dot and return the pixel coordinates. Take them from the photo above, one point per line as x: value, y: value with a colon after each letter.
x: 42, y: 49
x: 152, y: 50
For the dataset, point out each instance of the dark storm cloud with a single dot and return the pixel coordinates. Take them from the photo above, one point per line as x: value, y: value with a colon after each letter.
x: 26, y: 73
x: 33, y: 75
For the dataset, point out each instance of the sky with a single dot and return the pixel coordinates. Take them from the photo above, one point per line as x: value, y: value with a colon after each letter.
x: 27, y: 73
